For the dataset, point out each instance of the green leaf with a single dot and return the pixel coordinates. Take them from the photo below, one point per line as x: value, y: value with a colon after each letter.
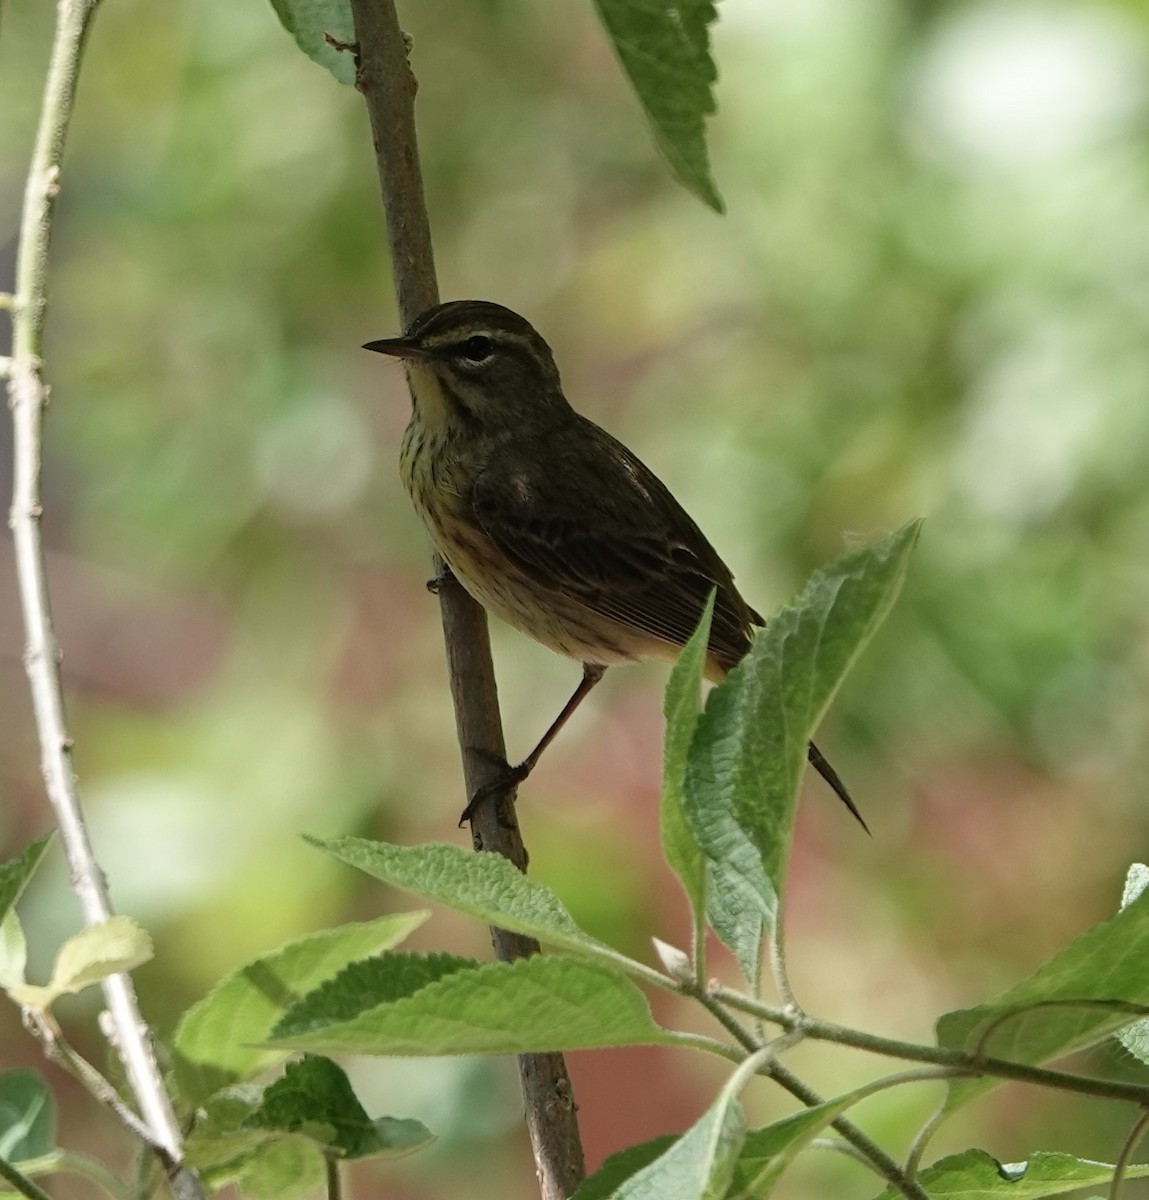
x: 89, y: 957
x: 13, y: 952
x: 407, y: 1004
x: 486, y: 886
x: 618, y: 1168
x: 285, y: 1167
x: 15, y: 873
x: 213, y: 1042
x: 308, y: 20
x: 974, y: 1175
x: 749, y: 749
x: 220, y: 1141
x: 314, y: 1097
x: 27, y: 1117
x: 765, y: 1153
x: 682, y: 706
x: 1135, y: 1038
x: 664, y: 47
x: 768, y: 1151
x: 700, y: 1164
x: 225, y: 1150
x: 1074, y: 1000
x: 14, y: 877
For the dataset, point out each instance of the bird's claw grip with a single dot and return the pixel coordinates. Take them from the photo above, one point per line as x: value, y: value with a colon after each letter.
x: 508, y: 777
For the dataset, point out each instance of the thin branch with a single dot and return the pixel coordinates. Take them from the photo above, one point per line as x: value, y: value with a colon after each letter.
x: 21, y: 1182
x: 56, y: 1049
x: 877, y: 1159
x: 874, y: 1156
x: 925, y: 1075
x: 724, y: 1017
x: 942, y: 1056
x: 388, y: 86
x: 331, y: 1173
x: 69, y: 1162
x: 1140, y: 1126
x: 28, y: 396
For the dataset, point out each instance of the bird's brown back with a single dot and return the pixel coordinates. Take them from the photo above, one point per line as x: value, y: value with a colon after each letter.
x: 580, y: 515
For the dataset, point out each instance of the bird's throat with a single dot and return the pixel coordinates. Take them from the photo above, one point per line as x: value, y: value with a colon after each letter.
x: 432, y: 405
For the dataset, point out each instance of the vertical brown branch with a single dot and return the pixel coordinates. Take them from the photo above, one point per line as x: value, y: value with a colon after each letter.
x: 388, y: 86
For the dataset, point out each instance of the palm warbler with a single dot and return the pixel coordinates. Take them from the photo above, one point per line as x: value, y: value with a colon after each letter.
x: 547, y: 520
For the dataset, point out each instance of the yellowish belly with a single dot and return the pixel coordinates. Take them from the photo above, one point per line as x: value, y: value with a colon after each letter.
x: 547, y: 615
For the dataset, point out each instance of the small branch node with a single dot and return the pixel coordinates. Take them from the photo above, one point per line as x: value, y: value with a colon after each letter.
x: 341, y: 47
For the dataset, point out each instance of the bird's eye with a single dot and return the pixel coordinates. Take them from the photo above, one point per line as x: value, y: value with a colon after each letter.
x: 477, y: 349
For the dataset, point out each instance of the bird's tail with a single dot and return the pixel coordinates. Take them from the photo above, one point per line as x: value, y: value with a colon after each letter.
x: 831, y: 777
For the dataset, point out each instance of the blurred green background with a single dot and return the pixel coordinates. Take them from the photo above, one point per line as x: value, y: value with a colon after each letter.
x: 930, y: 296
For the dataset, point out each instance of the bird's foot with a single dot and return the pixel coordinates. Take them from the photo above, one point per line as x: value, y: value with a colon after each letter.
x: 508, y: 777
x: 435, y: 583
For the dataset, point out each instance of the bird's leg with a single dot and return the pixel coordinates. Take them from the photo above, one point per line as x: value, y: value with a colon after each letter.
x: 591, y: 674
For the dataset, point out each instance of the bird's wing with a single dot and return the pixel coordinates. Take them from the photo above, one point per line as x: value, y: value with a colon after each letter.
x: 583, y: 516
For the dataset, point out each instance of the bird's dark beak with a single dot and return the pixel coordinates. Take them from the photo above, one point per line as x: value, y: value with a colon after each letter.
x: 399, y: 347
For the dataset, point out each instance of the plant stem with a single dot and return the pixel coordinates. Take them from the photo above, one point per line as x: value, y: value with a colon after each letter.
x: 21, y: 1182
x: 1127, y: 1150
x: 28, y: 396
x: 828, y: 1031
x: 388, y: 86
x: 61, y: 1162
x: 44, y: 1028
x: 874, y: 1155
x: 708, y: 1045
x: 331, y: 1172
x: 870, y: 1151
x: 922, y: 1140
x: 778, y: 966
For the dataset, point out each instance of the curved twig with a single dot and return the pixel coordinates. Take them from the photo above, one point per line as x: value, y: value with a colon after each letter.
x: 942, y: 1056
x: 28, y: 397
x: 1140, y: 1126
x: 922, y: 1140
x: 1003, y: 1018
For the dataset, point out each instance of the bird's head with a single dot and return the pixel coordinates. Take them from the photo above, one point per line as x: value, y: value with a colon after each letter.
x: 475, y: 362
